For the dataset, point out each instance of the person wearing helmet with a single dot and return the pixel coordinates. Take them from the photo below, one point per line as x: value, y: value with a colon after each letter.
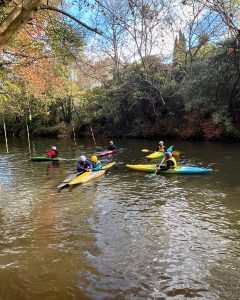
x: 96, y: 163
x: 111, y: 147
x: 170, y: 162
x: 53, y: 153
x: 161, y: 147
x: 84, y: 165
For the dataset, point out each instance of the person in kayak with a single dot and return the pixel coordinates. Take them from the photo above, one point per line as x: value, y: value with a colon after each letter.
x: 53, y: 153
x: 111, y: 147
x: 170, y: 163
x: 96, y: 163
x: 161, y: 147
x: 83, y: 164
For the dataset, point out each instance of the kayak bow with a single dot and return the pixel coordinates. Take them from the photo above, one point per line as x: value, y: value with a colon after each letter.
x: 77, y: 178
x: 159, y: 154
x: 87, y: 176
x: 107, y: 152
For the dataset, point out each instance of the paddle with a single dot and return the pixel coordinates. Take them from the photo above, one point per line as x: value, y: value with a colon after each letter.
x: 69, y: 178
x: 146, y: 150
x: 174, y: 153
x: 158, y: 166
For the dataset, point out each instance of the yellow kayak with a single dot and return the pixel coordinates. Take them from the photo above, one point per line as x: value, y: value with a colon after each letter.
x: 177, y: 170
x: 155, y: 155
x: 87, y: 176
x: 159, y: 154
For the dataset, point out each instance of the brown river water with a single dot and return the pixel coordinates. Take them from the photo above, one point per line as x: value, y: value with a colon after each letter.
x: 124, y: 235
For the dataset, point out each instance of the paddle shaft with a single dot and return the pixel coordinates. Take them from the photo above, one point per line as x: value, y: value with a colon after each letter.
x: 159, y: 165
x: 146, y: 150
x: 174, y: 153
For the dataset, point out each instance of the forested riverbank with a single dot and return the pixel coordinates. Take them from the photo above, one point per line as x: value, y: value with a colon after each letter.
x: 189, y: 89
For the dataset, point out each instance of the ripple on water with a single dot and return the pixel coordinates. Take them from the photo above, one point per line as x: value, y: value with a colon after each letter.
x: 124, y: 236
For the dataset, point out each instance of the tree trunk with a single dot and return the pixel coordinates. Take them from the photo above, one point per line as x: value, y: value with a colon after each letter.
x: 25, y: 11
x: 20, y: 15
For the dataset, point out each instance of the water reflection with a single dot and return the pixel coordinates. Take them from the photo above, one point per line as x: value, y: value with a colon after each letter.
x: 122, y: 236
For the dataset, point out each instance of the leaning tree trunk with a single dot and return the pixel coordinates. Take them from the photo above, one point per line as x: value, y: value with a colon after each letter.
x: 20, y: 15
x: 25, y: 11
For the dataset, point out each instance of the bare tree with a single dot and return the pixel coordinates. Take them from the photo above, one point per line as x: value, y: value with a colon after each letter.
x: 201, y: 26
x: 228, y: 11
x: 114, y: 39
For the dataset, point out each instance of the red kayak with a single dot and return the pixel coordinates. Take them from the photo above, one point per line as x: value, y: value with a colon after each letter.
x: 107, y: 152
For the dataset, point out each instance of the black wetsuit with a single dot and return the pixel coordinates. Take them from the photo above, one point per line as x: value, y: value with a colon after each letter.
x: 169, y: 165
x: 111, y: 148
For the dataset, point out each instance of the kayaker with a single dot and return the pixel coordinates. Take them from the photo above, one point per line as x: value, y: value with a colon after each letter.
x: 96, y: 163
x: 111, y: 147
x: 53, y: 153
x: 83, y: 164
x: 170, y: 162
x: 161, y: 147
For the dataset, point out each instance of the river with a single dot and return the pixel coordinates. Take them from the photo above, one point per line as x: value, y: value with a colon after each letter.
x: 124, y: 235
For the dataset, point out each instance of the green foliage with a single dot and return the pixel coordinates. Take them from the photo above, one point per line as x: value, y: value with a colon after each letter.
x: 213, y: 83
x: 180, y: 50
x: 65, y: 42
x: 133, y: 99
x: 198, y: 100
x: 195, y: 99
x: 60, y: 129
x: 7, y: 91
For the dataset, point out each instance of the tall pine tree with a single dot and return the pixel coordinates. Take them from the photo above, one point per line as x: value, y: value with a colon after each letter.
x: 180, y: 50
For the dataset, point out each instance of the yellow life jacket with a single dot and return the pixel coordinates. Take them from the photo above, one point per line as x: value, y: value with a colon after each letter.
x: 161, y: 148
x: 174, y: 161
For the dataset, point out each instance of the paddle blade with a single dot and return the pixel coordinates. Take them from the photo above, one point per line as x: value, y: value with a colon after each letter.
x: 176, y: 153
x: 146, y: 150
x: 153, y: 175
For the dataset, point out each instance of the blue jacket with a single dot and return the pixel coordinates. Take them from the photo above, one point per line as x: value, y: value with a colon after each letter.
x: 81, y: 166
x: 98, y: 166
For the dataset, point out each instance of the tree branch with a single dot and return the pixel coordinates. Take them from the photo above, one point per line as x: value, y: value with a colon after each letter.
x: 48, y: 7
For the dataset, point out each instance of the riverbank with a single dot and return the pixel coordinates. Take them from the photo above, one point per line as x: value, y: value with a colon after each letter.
x: 193, y: 128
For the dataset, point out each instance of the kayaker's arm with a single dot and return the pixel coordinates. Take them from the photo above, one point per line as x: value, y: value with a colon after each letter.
x: 98, y: 166
x: 79, y: 167
x: 89, y: 166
